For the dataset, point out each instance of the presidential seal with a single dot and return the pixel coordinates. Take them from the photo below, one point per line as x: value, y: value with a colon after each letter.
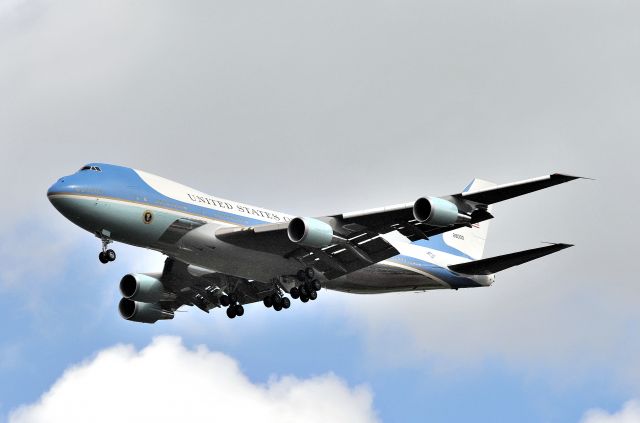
x: 147, y: 217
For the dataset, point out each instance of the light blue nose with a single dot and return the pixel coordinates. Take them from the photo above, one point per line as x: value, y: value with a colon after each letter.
x: 58, y: 195
x: 57, y: 188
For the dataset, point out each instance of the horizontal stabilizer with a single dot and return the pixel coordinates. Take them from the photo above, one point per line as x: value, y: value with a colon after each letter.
x: 504, y: 192
x: 492, y: 265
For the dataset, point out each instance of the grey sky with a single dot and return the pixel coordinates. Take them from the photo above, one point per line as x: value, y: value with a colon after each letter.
x: 334, y: 106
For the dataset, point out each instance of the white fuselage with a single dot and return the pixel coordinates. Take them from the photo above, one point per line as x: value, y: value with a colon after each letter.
x: 149, y: 211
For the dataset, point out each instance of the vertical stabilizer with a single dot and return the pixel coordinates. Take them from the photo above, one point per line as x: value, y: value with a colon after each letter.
x: 470, y: 241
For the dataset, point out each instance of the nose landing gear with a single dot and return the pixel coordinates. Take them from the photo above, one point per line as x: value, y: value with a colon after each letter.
x: 106, y: 255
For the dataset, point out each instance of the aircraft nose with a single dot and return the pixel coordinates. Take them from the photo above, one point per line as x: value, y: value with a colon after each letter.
x: 58, y: 197
x: 57, y: 187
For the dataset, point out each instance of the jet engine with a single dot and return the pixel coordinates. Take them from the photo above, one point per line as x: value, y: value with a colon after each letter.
x: 142, y: 312
x: 310, y: 232
x: 144, y: 288
x: 437, y: 212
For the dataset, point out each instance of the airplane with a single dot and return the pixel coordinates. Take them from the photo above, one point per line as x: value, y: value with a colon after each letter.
x: 226, y: 254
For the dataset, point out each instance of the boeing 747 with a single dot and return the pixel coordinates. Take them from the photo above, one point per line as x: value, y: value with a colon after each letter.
x: 225, y: 254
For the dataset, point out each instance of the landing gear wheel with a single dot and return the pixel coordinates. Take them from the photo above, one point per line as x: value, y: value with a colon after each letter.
x: 286, y: 303
x: 295, y: 293
x: 277, y: 300
x: 268, y: 301
x: 315, y: 285
x: 304, y: 298
x: 239, y: 310
x: 110, y: 254
x: 304, y: 291
x: 233, y: 298
x: 277, y: 307
x: 313, y: 295
x: 301, y: 275
x: 106, y: 255
x: 225, y: 300
x: 231, y: 312
x: 310, y: 272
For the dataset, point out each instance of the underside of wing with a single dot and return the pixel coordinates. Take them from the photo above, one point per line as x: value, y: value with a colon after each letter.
x: 149, y: 297
x: 352, y: 250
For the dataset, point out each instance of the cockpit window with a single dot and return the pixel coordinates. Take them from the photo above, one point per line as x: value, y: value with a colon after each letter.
x: 94, y: 168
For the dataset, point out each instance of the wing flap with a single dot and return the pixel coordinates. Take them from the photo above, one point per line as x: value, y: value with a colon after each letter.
x: 492, y: 265
x: 359, y: 250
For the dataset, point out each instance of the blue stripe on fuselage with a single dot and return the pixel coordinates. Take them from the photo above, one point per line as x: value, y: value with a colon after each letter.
x: 454, y: 280
x: 125, y: 184
x: 437, y: 242
x: 468, y: 187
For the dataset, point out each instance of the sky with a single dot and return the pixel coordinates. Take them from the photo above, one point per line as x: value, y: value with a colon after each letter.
x: 316, y: 108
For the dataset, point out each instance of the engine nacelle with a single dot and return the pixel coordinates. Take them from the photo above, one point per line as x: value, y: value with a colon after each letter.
x: 310, y: 232
x: 436, y: 211
x: 144, y: 288
x: 142, y: 312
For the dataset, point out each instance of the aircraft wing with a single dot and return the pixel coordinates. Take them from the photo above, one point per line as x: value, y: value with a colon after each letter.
x: 359, y: 248
x: 358, y: 234
x: 200, y: 287
x: 515, y: 189
x: 400, y: 217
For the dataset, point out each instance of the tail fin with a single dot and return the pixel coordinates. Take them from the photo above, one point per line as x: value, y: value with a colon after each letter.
x: 470, y: 241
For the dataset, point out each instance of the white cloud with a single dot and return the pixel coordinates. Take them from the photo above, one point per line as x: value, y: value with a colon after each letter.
x: 630, y: 413
x: 168, y: 382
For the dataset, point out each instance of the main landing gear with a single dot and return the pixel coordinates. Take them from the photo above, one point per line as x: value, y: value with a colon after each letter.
x: 308, y: 288
x: 233, y: 307
x: 277, y: 301
x: 106, y: 255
